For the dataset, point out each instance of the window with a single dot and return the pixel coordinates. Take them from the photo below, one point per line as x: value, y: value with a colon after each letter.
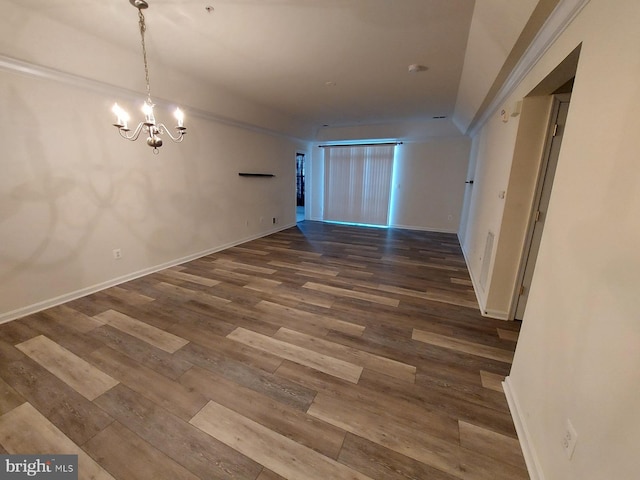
x: 357, y: 183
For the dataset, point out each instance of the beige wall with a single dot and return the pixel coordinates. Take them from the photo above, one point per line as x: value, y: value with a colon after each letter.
x: 29, y: 36
x: 72, y: 190
x: 518, y: 203
x: 503, y: 205
x: 495, y: 27
x: 578, y: 356
x: 428, y: 186
x: 493, y: 147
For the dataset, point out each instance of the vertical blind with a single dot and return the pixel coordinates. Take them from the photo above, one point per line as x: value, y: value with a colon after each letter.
x: 357, y: 183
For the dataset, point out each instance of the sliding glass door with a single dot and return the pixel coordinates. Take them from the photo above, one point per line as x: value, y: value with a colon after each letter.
x: 357, y: 183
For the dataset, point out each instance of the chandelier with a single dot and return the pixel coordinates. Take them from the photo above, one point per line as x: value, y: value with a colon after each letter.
x: 149, y: 126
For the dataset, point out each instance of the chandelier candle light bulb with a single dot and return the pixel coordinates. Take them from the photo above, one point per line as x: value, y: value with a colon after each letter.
x: 147, y: 109
x: 149, y: 125
x: 179, y: 114
x: 122, y: 116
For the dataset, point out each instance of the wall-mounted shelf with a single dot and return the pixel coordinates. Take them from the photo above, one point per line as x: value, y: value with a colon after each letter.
x: 244, y: 174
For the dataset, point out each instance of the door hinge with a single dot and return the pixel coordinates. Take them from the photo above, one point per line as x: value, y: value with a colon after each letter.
x: 521, y: 289
x: 537, y: 219
x: 555, y: 130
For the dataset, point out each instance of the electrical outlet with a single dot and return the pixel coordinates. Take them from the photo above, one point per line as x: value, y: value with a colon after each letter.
x: 117, y: 254
x: 569, y: 440
x: 275, y: 220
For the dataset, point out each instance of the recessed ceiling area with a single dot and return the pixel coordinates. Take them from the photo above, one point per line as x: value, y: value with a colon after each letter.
x: 320, y: 62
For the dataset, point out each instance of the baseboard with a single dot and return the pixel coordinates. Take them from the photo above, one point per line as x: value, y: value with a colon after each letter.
x: 528, y: 450
x: 474, y: 283
x: 83, y: 292
x: 495, y: 314
x: 424, y: 229
x: 401, y: 227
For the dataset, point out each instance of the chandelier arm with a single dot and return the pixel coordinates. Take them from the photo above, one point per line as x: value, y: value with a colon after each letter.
x: 178, y: 138
x: 149, y: 126
x: 134, y: 136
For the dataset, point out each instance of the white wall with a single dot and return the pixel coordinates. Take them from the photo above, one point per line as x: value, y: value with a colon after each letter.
x: 507, y: 159
x: 495, y: 27
x: 26, y: 34
x: 528, y: 153
x: 493, y: 148
x: 417, y: 130
x: 72, y: 190
x: 578, y: 356
x: 429, y: 173
x: 314, y: 184
x: 429, y: 184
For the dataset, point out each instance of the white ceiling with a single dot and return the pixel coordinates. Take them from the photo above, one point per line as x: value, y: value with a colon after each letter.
x: 282, y: 53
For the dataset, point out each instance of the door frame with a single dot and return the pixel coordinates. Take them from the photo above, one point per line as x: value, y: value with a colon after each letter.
x: 540, y: 183
x: 301, y: 181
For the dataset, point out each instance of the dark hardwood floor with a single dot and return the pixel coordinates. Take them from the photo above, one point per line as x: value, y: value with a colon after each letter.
x: 321, y: 352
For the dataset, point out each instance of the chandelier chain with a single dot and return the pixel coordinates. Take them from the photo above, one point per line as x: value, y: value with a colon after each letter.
x: 149, y: 126
x: 143, y: 28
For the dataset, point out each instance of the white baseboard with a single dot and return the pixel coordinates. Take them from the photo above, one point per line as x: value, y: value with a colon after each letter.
x: 476, y: 285
x: 67, y: 297
x: 424, y: 229
x: 496, y: 314
x: 528, y: 450
x: 402, y: 227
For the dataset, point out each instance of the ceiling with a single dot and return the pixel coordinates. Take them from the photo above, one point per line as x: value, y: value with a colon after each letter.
x: 323, y: 62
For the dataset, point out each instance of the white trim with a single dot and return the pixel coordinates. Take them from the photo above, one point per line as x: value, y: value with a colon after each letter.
x: 40, y: 71
x: 476, y: 285
x: 67, y: 297
x: 424, y: 229
x: 496, y: 314
x: 528, y: 450
x: 401, y: 227
x: 558, y: 21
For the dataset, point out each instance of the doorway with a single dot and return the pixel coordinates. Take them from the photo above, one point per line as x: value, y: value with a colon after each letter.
x: 300, y: 209
x: 556, y: 128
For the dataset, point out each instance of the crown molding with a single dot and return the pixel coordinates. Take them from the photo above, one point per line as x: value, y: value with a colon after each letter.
x: 22, y: 67
x: 557, y: 22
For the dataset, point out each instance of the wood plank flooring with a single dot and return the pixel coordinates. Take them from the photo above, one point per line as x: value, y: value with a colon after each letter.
x: 320, y: 352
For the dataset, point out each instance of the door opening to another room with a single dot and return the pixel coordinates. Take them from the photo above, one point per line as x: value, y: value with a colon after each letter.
x: 300, y: 214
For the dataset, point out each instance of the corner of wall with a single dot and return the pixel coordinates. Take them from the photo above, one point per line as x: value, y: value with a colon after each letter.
x: 526, y: 443
x: 474, y: 282
x: 484, y: 311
